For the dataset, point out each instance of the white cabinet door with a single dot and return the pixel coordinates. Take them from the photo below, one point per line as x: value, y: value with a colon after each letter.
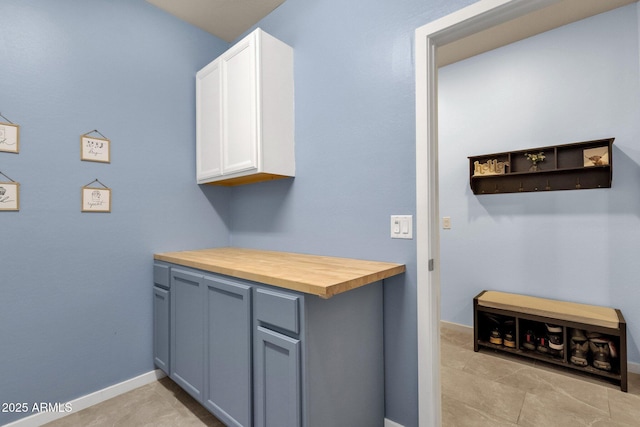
x: 239, y: 108
x: 208, y: 120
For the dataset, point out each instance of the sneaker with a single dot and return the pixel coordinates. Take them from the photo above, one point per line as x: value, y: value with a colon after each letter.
x: 555, y: 342
x: 544, y: 345
x: 509, y: 339
x: 529, y: 342
x: 491, y: 323
x: 579, y: 348
x: 601, y: 352
x: 555, y: 337
x: 495, y: 337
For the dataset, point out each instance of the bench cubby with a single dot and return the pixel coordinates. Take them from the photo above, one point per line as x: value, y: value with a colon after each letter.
x: 520, y: 319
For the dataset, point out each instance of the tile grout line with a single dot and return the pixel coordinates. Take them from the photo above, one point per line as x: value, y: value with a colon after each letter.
x: 526, y: 393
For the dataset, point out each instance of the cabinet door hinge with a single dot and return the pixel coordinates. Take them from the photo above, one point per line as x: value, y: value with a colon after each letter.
x: 431, y: 264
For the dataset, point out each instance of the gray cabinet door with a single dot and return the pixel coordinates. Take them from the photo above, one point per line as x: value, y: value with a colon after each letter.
x: 277, y: 380
x: 228, y: 357
x: 161, y: 328
x: 187, y: 331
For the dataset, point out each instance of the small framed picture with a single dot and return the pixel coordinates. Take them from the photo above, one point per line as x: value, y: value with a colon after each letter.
x: 9, y: 196
x: 596, y: 156
x: 94, y: 149
x: 9, y: 138
x: 96, y: 199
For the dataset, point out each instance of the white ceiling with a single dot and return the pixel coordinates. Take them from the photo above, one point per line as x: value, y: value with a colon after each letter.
x: 226, y: 19
x: 229, y: 19
x: 558, y: 13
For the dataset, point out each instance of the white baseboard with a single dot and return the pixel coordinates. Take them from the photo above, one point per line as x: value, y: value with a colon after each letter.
x: 456, y: 326
x: 389, y: 423
x: 632, y: 367
x: 89, y: 400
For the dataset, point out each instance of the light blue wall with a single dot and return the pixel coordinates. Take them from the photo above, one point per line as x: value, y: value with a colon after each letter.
x: 75, y: 295
x: 576, y: 83
x: 355, y: 156
x: 75, y: 315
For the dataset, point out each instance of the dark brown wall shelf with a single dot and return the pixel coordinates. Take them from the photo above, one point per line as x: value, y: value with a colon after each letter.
x: 565, y: 167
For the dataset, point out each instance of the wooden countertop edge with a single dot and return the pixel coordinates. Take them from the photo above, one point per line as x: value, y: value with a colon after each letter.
x: 323, y: 291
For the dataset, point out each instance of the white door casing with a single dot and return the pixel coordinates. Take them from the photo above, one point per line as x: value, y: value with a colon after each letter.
x: 477, y: 20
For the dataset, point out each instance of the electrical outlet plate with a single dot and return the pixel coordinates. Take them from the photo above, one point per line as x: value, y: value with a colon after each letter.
x: 446, y: 222
x: 402, y: 226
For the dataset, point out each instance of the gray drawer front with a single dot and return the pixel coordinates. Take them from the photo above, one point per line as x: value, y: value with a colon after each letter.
x: 161, y: 275
x: 278, y: 309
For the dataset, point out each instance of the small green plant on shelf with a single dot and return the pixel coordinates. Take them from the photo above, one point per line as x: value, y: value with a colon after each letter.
x: 535, y: 158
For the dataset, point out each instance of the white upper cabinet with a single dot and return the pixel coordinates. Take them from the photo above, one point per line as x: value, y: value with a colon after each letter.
x: 244, y: 113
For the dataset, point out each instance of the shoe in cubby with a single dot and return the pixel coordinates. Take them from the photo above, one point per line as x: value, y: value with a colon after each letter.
x: 544, y: 346
x: 600, y: 351
x: 496, y: 336
x: 579, y: 348
x: 555, y: 342
x: 509, y: 339
x: 529, y: 341
x: 494, y: 325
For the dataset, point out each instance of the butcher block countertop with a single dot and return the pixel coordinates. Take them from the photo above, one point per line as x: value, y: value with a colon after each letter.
x: 318, y: 275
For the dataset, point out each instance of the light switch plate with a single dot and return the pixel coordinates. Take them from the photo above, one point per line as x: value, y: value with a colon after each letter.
x: 402, y: 226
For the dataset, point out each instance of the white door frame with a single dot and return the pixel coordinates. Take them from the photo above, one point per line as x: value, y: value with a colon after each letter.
x: 465, y: 22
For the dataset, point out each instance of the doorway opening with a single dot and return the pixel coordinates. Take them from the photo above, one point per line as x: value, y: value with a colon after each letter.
x: 481, y: 27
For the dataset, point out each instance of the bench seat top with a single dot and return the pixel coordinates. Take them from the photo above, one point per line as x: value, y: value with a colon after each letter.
x: 562, y: 310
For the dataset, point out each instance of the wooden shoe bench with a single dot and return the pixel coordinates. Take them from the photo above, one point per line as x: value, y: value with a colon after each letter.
x: 531, y: 313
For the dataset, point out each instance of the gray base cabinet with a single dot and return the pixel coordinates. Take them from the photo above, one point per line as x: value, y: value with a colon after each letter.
x: 187, y: 331
x: 258, y: 355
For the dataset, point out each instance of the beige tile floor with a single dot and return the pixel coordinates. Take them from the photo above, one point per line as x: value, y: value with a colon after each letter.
x: 159, y: 404
x: 478, y: 389
x: 492, y: 389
